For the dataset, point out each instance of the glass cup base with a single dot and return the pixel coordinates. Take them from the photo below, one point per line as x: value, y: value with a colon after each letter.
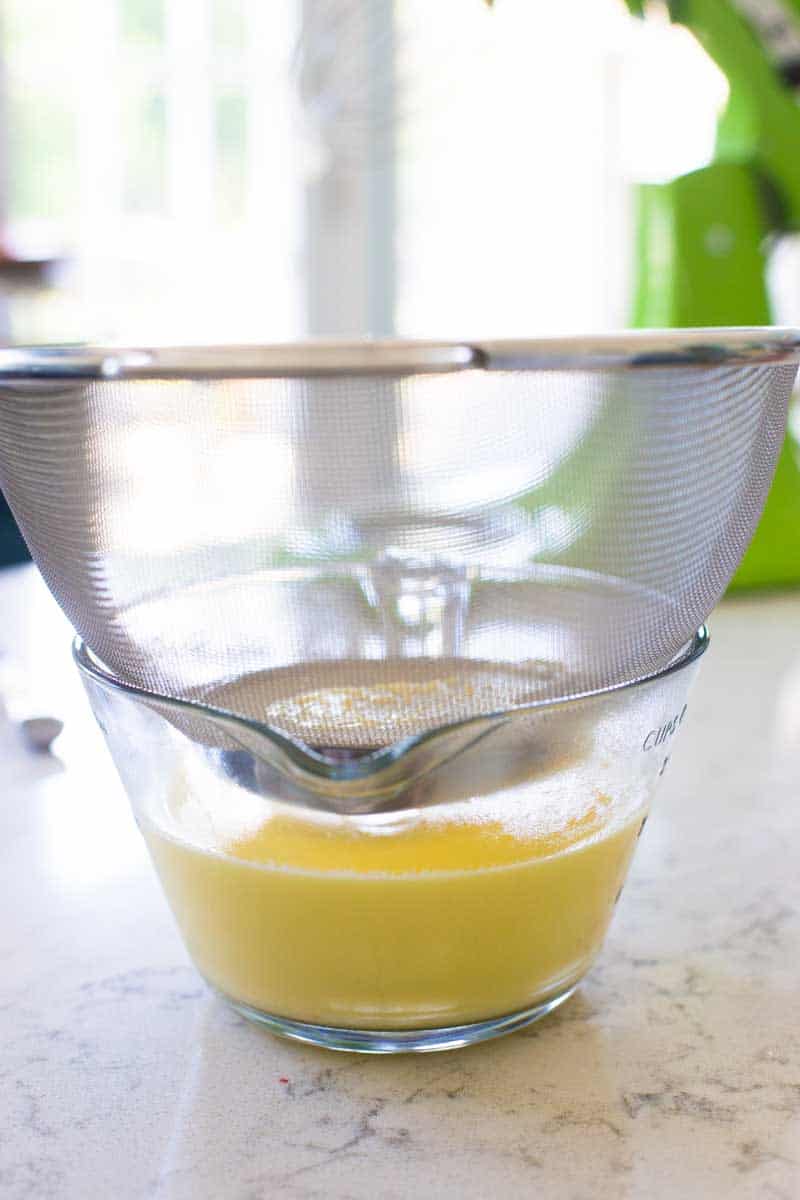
x: 400, y: 1041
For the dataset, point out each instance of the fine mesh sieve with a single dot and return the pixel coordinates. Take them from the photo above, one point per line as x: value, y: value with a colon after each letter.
x: 353, y: 543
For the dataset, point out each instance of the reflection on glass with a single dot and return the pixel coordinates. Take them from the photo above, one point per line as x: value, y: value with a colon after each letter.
x: 142, y: 20
x: 228, y: 25
x: 145, y: 165
x: 42, y: 141
x: 230, y: 133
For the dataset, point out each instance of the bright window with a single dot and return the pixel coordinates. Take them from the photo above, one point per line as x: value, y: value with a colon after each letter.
x: 249, y: 170
x: 155, y: 141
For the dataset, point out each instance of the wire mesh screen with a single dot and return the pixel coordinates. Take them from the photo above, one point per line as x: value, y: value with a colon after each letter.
x: 483, y: 537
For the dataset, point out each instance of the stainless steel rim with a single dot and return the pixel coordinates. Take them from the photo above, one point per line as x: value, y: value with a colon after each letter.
x: 626, y: 351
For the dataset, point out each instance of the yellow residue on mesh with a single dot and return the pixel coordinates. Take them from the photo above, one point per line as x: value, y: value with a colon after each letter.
x: 366, y: 709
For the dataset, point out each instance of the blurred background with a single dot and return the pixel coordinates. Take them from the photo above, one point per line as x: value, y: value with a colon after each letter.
x: 230, y: 170
x: 211, y: 170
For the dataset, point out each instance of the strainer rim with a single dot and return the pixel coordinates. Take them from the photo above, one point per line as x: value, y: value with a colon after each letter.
x: 628, y: 350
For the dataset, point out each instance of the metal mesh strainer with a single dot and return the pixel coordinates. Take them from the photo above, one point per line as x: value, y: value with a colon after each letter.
x: 423, y: 531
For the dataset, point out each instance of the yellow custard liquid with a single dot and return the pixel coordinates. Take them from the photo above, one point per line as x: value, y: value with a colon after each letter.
x: 432, y: 923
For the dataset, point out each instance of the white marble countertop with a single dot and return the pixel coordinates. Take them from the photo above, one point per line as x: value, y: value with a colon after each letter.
x: 673, y: 1072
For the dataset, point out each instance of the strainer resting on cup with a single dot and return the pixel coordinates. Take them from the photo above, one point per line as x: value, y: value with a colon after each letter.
x: 300, y: 535
x: 391, y: 641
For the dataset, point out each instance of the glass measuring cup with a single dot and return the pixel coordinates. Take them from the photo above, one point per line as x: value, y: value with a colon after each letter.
x: 469, y: 907
x: 371, y: 623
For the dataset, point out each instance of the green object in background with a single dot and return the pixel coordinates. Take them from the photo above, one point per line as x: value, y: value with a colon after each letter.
x: 701, y: 238
x: 700, y: 250
x: 701, y: 262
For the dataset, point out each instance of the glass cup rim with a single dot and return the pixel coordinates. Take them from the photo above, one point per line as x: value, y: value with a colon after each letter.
x: 92, y: 668
x: 350, y: 786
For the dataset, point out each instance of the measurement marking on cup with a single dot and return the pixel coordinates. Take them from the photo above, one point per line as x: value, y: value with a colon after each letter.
x: 657, y: 737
